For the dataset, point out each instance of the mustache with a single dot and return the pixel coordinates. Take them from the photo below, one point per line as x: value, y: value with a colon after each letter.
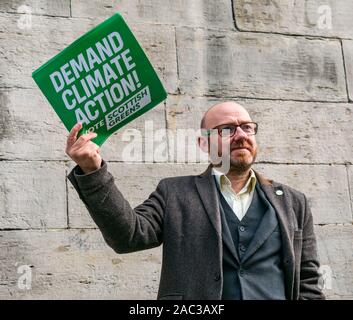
x: 241, y: 144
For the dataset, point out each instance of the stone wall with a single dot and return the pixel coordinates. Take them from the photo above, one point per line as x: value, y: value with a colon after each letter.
x: 289, y: 62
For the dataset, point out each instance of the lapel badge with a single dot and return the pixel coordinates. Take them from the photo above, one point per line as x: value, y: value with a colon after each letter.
x: 279, y: 192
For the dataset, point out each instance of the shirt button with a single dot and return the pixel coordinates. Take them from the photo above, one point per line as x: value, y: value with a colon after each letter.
x: 242, y: 228
x: 242, y: 248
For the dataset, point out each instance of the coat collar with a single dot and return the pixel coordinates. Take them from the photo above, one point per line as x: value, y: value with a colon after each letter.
x: 207, y: 189
x: 261, y: 178
x: 274, y: 192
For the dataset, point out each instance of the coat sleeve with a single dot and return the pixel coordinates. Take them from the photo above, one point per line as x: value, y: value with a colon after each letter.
x: 310, y: 278
x: 124, y: 229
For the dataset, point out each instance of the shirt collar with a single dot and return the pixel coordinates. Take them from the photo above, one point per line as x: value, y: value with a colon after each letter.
x: 223, y: 181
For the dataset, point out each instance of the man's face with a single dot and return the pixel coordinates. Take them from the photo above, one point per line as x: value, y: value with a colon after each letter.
x: 241, y: 149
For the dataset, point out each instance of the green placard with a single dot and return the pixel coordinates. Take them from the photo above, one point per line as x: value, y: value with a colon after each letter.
x: 103, y: 80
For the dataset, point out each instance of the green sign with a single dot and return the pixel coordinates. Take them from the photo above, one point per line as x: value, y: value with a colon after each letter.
x: 103, y: 80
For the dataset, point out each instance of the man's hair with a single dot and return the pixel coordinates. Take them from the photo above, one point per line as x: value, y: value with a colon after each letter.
x: 203, y: 120
x: 202, y: 124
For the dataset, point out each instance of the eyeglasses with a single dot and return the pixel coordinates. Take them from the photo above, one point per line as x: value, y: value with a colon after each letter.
x: 229, y: 130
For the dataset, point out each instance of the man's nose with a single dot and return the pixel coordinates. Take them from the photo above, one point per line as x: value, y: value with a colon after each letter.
x: 239, y: 134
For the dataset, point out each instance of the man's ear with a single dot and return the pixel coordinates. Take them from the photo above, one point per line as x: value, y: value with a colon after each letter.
x: 203, y: 143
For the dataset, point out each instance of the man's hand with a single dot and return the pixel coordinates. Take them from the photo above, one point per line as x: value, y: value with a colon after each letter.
x: 82, y: 150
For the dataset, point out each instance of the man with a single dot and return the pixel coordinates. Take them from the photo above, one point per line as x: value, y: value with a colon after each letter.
x: 232, y: 235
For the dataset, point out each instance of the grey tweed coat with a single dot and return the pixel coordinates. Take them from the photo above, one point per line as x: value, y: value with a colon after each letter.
x: 183, y: 215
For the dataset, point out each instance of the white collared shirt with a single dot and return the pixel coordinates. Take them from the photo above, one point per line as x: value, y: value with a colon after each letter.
x: 239, y: 202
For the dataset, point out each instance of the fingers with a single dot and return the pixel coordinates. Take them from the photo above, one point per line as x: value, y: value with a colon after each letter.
x: 82, y: 150
x: 75, y: 145
x: 88, y: 150
x: 71, y: 139
x: 88, y: 157
x: 82, y: 140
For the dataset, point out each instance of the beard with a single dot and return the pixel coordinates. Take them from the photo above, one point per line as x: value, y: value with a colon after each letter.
x: 228, y: 160
x: 242, y: 160
x: 241, y: 164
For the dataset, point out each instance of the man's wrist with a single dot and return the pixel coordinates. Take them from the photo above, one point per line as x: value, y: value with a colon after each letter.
x: 81, y: 170
x: 90, y: 170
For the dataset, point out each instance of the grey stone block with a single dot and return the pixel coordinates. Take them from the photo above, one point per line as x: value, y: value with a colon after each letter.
x: 31, y: 130
x: 259, y: 66
x: 289, y: 132
x: 310, y: 17
x: 158, y: 42
x: 335, y: 253
x: 28, y: 49
x: 326, y: 188
x: 29, y: 127
x: 350, y: 179
x: 32, y: 195
x: 73, y: 264
x: 43, y: 7
x: 348, y: 60
x: 205, y: 13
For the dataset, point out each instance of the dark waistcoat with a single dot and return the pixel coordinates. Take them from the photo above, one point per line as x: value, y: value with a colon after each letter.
x: 252, y: 259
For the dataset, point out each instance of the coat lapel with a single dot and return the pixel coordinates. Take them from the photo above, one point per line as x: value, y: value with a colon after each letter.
x: 227, y: 237
x: 276, y: 196
x: 267, y: 225
x: 206, y: 187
